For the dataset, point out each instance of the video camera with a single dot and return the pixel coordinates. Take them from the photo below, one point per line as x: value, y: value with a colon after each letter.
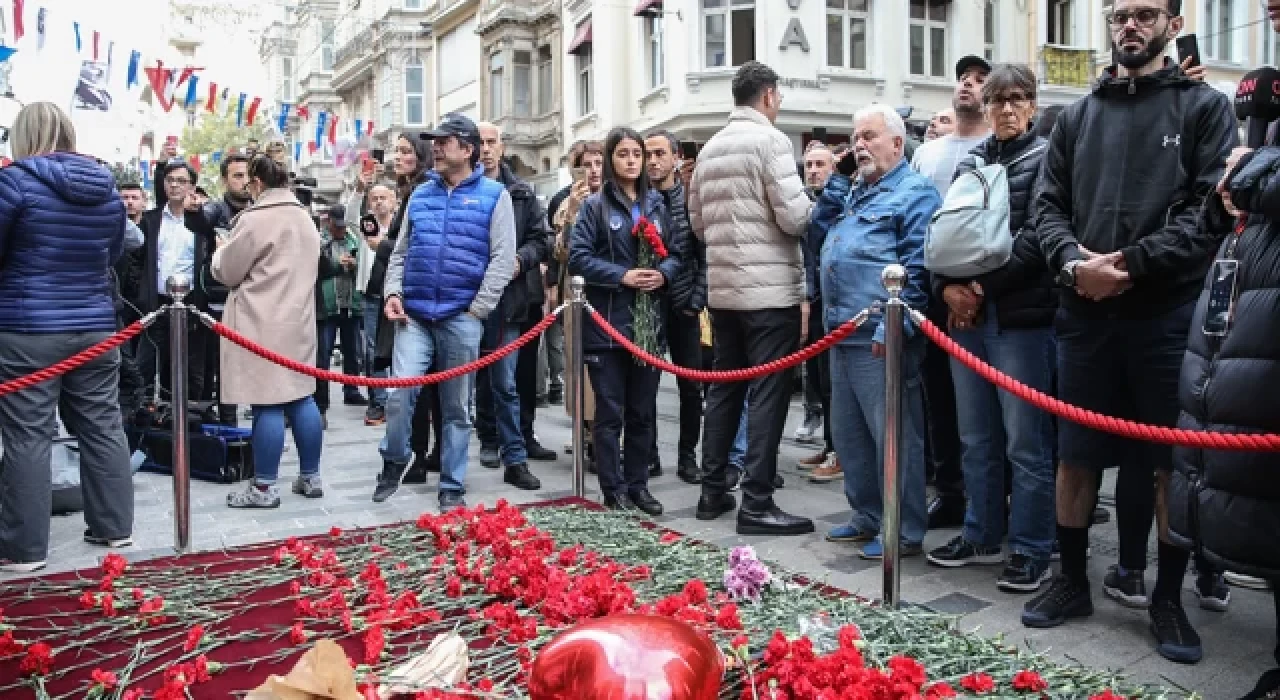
x: 303, y: 189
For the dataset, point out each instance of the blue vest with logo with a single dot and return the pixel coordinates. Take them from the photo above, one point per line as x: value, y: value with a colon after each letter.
x: 448, y: 245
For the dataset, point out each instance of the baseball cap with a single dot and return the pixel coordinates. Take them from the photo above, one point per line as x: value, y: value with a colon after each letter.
x: 971, y: 61
x: 455, y: 124
x: 338, y: 214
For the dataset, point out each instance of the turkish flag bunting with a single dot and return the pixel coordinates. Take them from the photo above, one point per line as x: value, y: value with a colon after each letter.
x: 333, y: 129
x: 253, y: 110
x: 213, y: 97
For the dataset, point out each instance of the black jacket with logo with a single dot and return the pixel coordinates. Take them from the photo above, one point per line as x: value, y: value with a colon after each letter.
x: 533, y: 247
x: 689, y: 288
x: 1128, y: 169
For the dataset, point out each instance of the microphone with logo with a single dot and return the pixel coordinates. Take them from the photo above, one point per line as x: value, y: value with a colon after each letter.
x: 1258, y: 103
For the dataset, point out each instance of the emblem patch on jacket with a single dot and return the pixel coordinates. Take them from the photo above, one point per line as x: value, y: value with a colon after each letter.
x: 615, y: 222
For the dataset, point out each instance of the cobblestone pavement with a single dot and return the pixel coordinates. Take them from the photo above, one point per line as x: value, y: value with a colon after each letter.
x: 1238, y: 644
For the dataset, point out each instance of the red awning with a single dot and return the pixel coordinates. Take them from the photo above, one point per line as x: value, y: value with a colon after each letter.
x: 582, y: 38
x: 647, y: 6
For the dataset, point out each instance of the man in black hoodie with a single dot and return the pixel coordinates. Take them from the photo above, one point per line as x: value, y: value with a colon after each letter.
x: 1126, y: 174
x: 688, y: 298
x: 503, y: 442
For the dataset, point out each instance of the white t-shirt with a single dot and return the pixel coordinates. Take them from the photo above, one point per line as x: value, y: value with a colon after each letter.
x: 176, y: 249
x: 937, y: 159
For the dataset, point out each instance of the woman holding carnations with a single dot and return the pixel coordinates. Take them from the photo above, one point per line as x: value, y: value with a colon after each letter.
x: 626, y: 247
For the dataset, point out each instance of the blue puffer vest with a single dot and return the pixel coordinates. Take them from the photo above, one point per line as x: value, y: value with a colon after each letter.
x: 449, y: 245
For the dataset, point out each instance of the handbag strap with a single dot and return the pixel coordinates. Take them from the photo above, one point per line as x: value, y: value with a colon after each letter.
x: 1035, y: 151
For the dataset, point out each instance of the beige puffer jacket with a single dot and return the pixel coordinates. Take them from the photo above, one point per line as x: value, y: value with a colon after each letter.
x: 748, y: 204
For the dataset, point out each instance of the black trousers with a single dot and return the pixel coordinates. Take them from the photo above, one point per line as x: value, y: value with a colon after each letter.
x: 153, y: 357
x: 743, y: 339
x: 345, y: 328
x: 527, y: 375
x: 627, y: 407
x: 684, y: 338
x: 213, y: 377
x: 942, y: 430
x: 818, y: 372
x: 426, y: 417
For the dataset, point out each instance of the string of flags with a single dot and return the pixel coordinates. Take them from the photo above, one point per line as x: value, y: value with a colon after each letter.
x: 184, y: 87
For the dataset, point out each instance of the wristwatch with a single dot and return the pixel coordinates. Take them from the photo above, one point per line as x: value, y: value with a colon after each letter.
x: 1068, y: 275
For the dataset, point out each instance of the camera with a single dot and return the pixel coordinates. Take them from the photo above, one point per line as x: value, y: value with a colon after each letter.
x: 303, y: 189
x: 368, y: 226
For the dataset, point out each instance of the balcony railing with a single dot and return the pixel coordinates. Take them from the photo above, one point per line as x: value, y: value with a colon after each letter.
x: 1067, y: 66
x: 359, y: 44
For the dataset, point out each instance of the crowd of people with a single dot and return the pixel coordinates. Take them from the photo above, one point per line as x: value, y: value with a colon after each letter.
x: 1126, y: 213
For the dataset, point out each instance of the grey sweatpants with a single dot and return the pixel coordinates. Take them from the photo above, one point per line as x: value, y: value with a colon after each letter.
x: 27, y: 430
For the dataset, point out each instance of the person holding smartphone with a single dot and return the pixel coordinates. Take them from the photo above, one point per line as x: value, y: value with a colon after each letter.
x: 373, y: 229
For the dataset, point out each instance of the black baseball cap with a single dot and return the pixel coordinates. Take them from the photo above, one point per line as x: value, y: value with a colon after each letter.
x: 971, y: 61
x: 338, y: 214
x: 455, y: 124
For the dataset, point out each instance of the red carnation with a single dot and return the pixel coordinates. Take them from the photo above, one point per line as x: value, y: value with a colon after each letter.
x: 696, y: 591
x: 453, y: 587
x: 978, y: 683
x: 1029, y: 681
x: 194, y: 635
x: 133, y: 694
x: 156, y: 604
x: 297, y: 635
x: 727, y: 618
x: 373, y: 644
x: 1107, y: 694
x: 113, y: 564
x: 484, y: 685
x: 88, y: 601
x: 9, y: 646
x: 108, y: 605
x: 939, y: 690
x: 740, y: 642
x: 137, y: 594
x: 905, y: 669
x: 38, y: 661
x: 335, y: 531
x: 668, y: 538
x: 848, y: 637
x: 106, y: 679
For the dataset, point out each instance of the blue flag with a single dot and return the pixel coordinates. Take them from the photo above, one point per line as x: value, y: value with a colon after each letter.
x: 297, y: 151
x: 320, y: 123
x: 134, y: 58
x: 359, y: 128
x: 216, y: 157
x: 240, y: 110
x: 282, y: 121
x: 76, y: 25
x: 191, y: 91
x: 6, y: 52
x: 145, y: 166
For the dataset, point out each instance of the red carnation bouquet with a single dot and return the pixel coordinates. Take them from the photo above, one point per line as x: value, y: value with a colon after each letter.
x: 645, y: 316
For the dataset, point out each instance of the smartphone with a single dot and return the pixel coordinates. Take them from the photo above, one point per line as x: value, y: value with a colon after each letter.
x: 379, y: 155
x: 368, y: 225
x: 579, y: 174
x: 689, y: 150
x: 848, y: 165
x: 1188, y: 45
x: 1222, y: 297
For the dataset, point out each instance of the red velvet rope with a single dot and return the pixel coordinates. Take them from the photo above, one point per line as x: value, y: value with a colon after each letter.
x: 380, y: 382
x: 731, y: 375
x: 79, y: 359
x: 1255, y: 442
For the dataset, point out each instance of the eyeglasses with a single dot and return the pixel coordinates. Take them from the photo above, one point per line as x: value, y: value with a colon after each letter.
x: 178, y: 181
x: 1016, y: 101
x: 1145, y: 17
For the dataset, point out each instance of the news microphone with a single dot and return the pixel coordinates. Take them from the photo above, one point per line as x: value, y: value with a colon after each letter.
x: 1257, y: 103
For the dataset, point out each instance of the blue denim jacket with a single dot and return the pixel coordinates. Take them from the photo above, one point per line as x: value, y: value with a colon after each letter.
x: 863, y: 228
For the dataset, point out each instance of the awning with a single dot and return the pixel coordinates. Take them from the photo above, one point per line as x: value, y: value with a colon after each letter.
x: 581, y: 39
x: 647, y: 7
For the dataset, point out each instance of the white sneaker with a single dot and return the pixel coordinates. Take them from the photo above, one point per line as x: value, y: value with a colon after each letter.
x: 21, y: 567
x: 253, y: 497
x: 1244, y: 581
x: 810, y: 429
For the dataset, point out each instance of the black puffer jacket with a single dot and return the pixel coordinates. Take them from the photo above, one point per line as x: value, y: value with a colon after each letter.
x: 1228, y: 503
x: 1128, y: 168
x: 689, y: 288
x: 1023, y: 290
x: 533, y: 247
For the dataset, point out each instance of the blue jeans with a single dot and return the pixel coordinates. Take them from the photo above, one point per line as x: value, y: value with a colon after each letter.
x: 372, y: 312
x: 448, y: 344
x: 1025, y: 355
x: 857, y: 413
x: 268, y: 438
x: 738, y: 451
x: 498, y: 401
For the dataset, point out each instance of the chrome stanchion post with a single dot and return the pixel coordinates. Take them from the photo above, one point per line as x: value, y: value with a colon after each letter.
x: 577, y: 376
x: 177, y: 287
x: 893, y: 278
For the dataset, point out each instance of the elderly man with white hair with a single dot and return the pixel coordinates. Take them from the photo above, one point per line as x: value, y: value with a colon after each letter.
x: 863, y: 224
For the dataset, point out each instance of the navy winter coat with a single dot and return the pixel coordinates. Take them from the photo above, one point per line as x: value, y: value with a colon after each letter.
x: 602, y: 250
x: 61, y: 230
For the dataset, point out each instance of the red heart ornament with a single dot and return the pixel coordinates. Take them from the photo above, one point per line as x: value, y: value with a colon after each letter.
x: 628, y: 657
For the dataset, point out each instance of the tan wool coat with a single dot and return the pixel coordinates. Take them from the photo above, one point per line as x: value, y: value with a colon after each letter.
x: 270, y: 263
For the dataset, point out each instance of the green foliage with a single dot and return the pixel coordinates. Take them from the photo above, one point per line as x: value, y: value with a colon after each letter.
x: 126, y: 174
x: 214, y: 133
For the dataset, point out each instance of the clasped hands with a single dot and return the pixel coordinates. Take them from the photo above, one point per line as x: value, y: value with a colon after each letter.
x: 643, y: 280
x: 1102, y: 276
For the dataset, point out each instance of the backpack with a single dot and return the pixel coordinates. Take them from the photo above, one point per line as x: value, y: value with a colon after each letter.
x: 970, y: 234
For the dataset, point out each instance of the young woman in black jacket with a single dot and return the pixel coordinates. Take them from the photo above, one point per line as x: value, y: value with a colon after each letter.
x: 1006, y: 318
x: 626, y: 266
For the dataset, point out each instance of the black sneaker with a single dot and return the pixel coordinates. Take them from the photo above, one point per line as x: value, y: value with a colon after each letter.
x: 354, y: 399
x: 1022, y: 574
x: 489, y: 457
x: 1213, y: 592
x: 655, y: 469
x: 388, y: 481
x: 1128, y: 589
x: 960, y: 552
x: 375, y: 415
x: 1056, y: 554
x: 1176, y: 639
x: 450, y: 500
x: 1268, y: 687
x: 1101, y: 516
x: 518, y: 475
x: 109, y: 542
x: 537, y: 452
x: 620, y: 501
x: 1065, y: 599
x: 646, y: 502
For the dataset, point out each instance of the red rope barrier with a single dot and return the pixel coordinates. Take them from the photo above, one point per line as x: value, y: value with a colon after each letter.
x: 380, y: 382
x: 1255, y: 442
x: 79, y: 359
x: 732, y: 375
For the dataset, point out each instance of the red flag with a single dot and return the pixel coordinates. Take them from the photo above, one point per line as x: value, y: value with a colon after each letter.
x: 161, y: 85
x: 213, y: 97
x: 370, y: 127
x: 312, y: 146
x: 96, y: 36
x: 18, y: 29
x: 333, y: 129
x: 253, y: 110
x: 195, y: 161
x: 304, y: 112
x: 186, y: 73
